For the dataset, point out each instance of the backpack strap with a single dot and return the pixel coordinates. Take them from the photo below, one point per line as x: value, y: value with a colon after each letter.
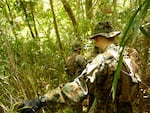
x: 129, y: 83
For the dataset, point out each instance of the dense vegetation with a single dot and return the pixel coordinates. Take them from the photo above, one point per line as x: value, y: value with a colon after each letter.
x: 36, y: 36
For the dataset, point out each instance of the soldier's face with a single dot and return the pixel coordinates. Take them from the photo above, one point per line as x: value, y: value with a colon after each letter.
x: 97, y: 41
x: 101, y: 42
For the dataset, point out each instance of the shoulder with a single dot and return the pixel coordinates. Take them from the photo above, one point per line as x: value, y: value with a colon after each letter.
x: 79, y: 57
x: 68, y: 58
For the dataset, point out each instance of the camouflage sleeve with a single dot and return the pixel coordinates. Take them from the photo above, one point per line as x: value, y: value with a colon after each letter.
x: 73, y: 92
x: 69, y: 93
x: 104, y: 64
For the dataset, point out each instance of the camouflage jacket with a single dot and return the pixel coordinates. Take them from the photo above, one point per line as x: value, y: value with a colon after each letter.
x: 75, y: 64
x: 102, y: 66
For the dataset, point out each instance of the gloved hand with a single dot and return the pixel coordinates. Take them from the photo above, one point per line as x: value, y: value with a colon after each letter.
x: 30, y: 106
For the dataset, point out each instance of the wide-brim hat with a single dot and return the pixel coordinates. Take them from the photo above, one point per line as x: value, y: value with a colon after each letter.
x: 104, y: 29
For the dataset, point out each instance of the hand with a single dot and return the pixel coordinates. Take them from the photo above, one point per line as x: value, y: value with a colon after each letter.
x: 30, y: 106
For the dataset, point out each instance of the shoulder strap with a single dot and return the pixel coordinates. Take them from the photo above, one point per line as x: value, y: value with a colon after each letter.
x: 131, y: 65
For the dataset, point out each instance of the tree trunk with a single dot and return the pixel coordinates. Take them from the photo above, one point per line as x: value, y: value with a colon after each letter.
x: 11, y: 20
x: 26, y: 15
x: 33, y: 19
x: 89, y: 12
x: 114, y: 13
x: 72, y: 17
x: 56, y: 29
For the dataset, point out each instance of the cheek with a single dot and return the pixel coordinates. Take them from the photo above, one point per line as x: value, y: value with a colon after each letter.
x: 96, y: 41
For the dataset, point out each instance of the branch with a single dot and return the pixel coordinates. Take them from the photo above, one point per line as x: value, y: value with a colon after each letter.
x: 26, y: 15
x: 56, y: 29
x: 72, y: 17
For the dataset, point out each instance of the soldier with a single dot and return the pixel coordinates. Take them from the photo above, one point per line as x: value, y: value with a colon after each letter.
x: 99, y: 74
x: 76, y: 62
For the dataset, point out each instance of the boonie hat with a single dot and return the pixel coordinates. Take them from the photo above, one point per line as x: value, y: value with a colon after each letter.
x: 104, y: 29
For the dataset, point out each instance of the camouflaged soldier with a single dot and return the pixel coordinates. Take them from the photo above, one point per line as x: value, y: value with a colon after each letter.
x: 99, y: 73
x: 76, y: 62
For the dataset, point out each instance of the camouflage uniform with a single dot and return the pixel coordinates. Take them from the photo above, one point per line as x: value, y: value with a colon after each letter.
x: 75, y: 63
x: 99, y: 74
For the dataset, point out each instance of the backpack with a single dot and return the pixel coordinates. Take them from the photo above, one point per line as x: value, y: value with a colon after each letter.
x: 129, y: 79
